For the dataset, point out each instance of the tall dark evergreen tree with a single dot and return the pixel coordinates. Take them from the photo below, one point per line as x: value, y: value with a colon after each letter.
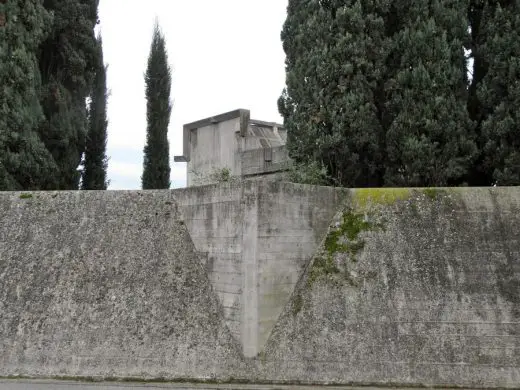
x: 94, y: 174
x: 299, y: 100
x: 335, y: 60
x: 497, y: 92
x: 478, y: 17
x: 156, y: 173
x: 377, y: 90
x: 67, y: 60
x: 25, y: 163
x: 430, y: 141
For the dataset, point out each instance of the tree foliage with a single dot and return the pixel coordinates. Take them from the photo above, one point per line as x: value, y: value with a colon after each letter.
x: 498, y: 92
x: 156, y: 173
x: 430, y: 138
x: 67, y: 61
x: 25, y: 163
x: 378, y: 91
x: 335, y: 62
x: 94, y: 174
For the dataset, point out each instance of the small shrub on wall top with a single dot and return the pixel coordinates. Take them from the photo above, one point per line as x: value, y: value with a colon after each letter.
x: 217, y: 175
x: 222, y: 175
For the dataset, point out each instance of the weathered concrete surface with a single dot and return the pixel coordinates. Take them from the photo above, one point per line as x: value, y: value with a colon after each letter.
x: 263, y: 162
x: 428, y: 294
x: 213, y: 216
x: 105, y: 283
x: 255, y: 239
x: 416, y: 286
x: 291, y: 222
x: 53, y: 385
x: 233, y: 141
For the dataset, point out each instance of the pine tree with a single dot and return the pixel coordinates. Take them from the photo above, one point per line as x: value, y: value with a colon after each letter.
x: 430, y: 140
x: 67, y: 61
x: 336, y: 54
x: 156, y: 173
x: 25, y: 163
x: 498, y: 93
x: 94, y: 175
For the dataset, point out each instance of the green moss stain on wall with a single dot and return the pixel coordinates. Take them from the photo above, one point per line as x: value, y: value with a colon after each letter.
x: 297, y: 304
x: 343, y: 238
x: 322, y: 266
x: 363, y: 198
x: 367, y: 211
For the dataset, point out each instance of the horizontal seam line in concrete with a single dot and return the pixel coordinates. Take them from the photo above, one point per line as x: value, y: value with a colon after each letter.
x: 402, y: 362
x: 444, y: 322
x: 429, y: 322
x: 228, y: 292
x: 119, y: 382
x: 211, y: 203
x: 231, y: 307
x: 459, y: 335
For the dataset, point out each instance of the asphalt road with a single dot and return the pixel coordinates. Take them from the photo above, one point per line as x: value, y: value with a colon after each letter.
x: 62, y: 385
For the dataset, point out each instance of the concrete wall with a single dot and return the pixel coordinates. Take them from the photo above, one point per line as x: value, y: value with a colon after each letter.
x: 291, y: 222
x: 431, y: 296
x: 106, y: 284
x: 213, y: 216
x: 405, y: 287
x: 261, y: 161
x: 254, y: 239
x: 261, y: 135
x: 213, y: 147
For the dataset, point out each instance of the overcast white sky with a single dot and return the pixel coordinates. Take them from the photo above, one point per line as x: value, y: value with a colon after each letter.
x: 225, y: 55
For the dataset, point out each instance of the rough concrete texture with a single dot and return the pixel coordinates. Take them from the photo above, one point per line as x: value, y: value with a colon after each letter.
x: 262, y: 162
x: 407, y: 287
x: 255, y: 239
x: 105, y: 283
x: 410, y: 287
x: 291, y: 221
x: 233, y: 142
x: 213, y: 216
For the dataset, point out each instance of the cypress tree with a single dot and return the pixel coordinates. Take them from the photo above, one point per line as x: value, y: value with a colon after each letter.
x: 430, y: 140
x: 497, y: 93
x: 336, y: 54
x: 94, y: 175
x: 377, y: 91
x: 67, y: 61
x: 299, y: 99
x: 25, y: 164
x: 156, y: 162
x: 478, y: 15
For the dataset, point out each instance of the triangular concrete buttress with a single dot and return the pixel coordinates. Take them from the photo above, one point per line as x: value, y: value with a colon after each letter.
x: 255, y: 239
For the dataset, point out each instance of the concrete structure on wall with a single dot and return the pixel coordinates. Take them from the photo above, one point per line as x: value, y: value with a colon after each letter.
x: 244, y: 147
x: 263, y: 282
